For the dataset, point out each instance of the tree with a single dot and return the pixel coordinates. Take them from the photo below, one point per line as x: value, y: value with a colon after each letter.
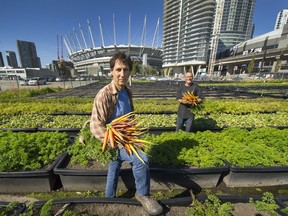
x: 135, y: 68
x: 277, y: 66
x: 251, y: 65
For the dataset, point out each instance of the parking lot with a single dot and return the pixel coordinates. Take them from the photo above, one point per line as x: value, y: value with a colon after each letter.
x: 12, y: 84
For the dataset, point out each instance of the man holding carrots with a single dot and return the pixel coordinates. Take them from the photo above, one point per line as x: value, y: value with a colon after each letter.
x: 111, y: 102
x: 184, y: 114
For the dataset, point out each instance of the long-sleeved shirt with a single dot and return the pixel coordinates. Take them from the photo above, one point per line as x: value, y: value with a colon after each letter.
x: 103, y: 108
x: 184, y: 110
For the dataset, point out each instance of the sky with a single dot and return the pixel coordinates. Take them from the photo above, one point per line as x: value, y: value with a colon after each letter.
x: 40, y: 21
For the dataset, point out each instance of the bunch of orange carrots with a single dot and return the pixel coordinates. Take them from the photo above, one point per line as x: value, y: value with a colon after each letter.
x: 125, y: 131
x: 189, y: 97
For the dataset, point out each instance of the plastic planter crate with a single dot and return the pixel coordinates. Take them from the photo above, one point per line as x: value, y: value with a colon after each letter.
x: 256, y: 176
x: 161, y: 178
x: 17, y: 210
x: 83, y: 180
x: 43, y: 180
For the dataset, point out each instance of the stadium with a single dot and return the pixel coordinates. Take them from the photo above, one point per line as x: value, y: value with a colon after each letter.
x: 94, y: 61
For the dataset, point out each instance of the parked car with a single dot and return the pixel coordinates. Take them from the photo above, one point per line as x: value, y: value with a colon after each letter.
x: 60, y: 79
x: 37, y: 81
x: 23, y: 82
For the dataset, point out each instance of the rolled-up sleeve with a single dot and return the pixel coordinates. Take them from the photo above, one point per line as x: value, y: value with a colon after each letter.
x: 100, y: 113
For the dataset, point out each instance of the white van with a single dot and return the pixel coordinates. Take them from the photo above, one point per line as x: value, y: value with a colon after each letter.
x: 37, y: 81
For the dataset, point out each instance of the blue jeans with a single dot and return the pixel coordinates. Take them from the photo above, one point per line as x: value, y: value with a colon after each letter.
x: 187, y: 121
x: 140, y: 171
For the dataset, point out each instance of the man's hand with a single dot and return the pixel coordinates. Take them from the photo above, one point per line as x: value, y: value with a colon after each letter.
x: 199, y: 100
x: 184, y: 101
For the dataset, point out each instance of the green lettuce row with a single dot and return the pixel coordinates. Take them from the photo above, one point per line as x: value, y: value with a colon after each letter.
x: 20, y: 151
x: 222, y: 120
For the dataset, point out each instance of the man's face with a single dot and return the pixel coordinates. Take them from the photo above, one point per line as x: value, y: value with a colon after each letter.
x: 188, y: 78
x: 120, y: 73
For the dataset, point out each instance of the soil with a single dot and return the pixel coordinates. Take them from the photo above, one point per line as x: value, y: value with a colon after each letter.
x: 168, y: 90
x: 93, y: 209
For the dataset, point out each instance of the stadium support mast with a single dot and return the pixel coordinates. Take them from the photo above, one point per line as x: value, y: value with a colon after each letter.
x: 83, y: 36
x: 101, y: 32
x: 215, y: 35
x: 80, y: 47
x: 72, y: 41
x: 67, y: 45
x: 143, y: 37
x: 114, y: 30
x: 155, y: 34
x: 90, y: 33
x: 129, y: 30
x: 144, y: 32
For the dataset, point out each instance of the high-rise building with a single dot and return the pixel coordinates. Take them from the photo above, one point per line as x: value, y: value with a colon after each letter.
x: 237, y: 23
x: 11, y: 59
x: 187, y: 28
x: 282, y: 19
x: 28, y: 54
x: 1, y: 60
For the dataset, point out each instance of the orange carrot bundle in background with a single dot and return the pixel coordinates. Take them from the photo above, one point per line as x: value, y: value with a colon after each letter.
x: 125, y: 131
x: 189, y: 97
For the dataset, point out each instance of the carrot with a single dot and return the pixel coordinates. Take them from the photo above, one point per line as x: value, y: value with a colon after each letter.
x: 128, y: 149
x: 136, y: 153
x: 141, y: 141
x: 111, y: 138
x: 105, y: 141
x: 121, y: 118
x: 116, y: 133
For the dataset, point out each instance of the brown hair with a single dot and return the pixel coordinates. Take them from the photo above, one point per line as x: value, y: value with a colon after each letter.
x: 121, y: 56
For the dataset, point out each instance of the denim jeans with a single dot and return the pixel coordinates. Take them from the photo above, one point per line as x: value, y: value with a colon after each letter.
x: 140, y: 171
x: 187, y: 121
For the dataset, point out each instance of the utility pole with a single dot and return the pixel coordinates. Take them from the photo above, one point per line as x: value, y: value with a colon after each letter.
x: 215, y: 34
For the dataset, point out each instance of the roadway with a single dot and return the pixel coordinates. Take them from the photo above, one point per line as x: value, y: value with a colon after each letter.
x: 12, y: 84
x: 270, y: 55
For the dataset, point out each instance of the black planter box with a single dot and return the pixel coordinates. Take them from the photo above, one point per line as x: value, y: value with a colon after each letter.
x: 17, y: 210
x: 161, y: 178
x: 67, y: 130
x: 256, y: 176
x: 72, y: 132
x: 85, y: 180
x: 43, y: 180
x: 282, y: 201
x: 20, y: 129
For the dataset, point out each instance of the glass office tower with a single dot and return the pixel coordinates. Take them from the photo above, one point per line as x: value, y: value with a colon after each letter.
x: 186, y: 31
x: 28, y: 55
x: 237, y: 23
x: 11, y: 59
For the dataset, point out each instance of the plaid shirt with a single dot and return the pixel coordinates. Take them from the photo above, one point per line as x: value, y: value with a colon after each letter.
x: 103, y: 107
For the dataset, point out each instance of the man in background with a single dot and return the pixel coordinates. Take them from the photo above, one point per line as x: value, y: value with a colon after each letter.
x: 184, y: 114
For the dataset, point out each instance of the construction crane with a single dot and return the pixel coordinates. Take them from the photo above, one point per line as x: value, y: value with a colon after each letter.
x: 63, y: 67
x: 215, y: 34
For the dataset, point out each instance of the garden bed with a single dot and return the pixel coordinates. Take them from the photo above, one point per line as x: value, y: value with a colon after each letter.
x: 256, y: 176
x: 82, y: 179
x: 43, y: 180
x: 11, y: 208
x: 27, y: 160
